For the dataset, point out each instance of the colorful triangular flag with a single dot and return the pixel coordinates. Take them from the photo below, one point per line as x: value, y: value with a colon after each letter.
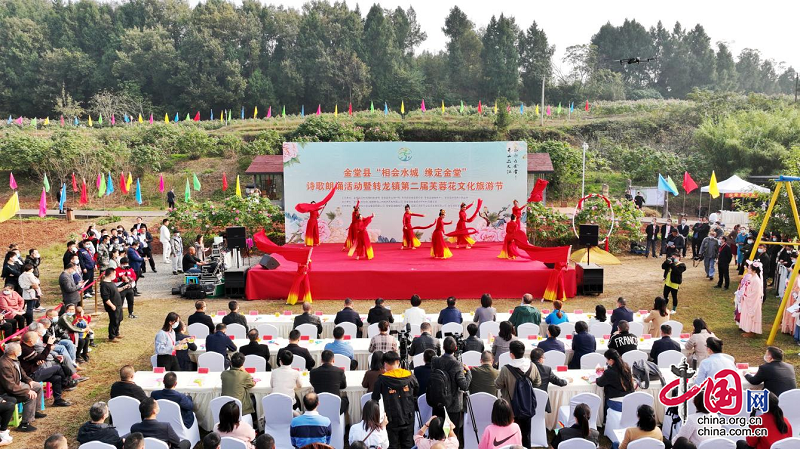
x: 688, y: 183
x: 10, y: 209
x: 195, y: 182
x: 161, y: 183
x: 712, y: 186
x: 63, y: 197
x: 663, y: 185
x: 138, y: 192
x: 43, y: 204
x: 187, y: 193
x: 84, y: 193
x: 422, y: 106
x: 109, y: 185
x: 238, y: 187
x: 11, y: 181
x: 402, y: 107
x: 224, y: 182
x: 46, y: 183
x: 319, y: 109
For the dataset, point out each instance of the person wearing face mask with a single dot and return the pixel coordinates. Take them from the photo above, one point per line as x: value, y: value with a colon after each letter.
x: 70, y: 291
x: 16, y: 384
x: 112, y: 302
x: 31, y: 291
x: 73, y: 331
x: 708, y: 251
x: 666, y: 231
x: 12, y: 306
x: 126, y: 276
x: 676, y: 244
x: 652, y: 238
x: 34, y: 259
x: 32, y: 363
x: 673, y: 277
x: 724, y: 262
x: 683, y: 229
x: 12, y: 270
x: 763, y: 257
x: 776, y: 375
x: 166, y: 346
x: 87, y: 264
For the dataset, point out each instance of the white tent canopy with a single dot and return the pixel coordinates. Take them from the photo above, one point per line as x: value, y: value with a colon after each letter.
x: 735, y: 184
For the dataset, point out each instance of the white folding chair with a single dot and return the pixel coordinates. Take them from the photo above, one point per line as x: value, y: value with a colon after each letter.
x: 627, y: 417
x: 341, y: 361
x: 646, y: 443
x: 418, y: 360
x: 488, y: 327
x: 554, y: 359
x: 170, y: 412
x: 636, y: 328
x: 538, y: 426
x: 216, y: 405
x: 594, y: 402
x: 266, y: 330
x: 789, y: 402
x: 471, y: 358
x: 96, y: 445
x: 452, y: 328
x: 237, y: 331
x: 717, y: 443
x: 214, y: 361
x: 298, y: 362
x: 198, y: 330
x: 504, y: 359
x: 349, y: 328
x: 416, y: 329
x: 255, y: 361
x: 125, y: 413
x: 278, y: 417
x: 482, y: 404
x: 364, y: 398
x: 668, y: 358
x: 425, y: 411
x: 787, y: 443
x: 154, y: 360
x: 152, y: 443
x: 526, y: 329
x: 632, y: 356
x: 576, y: 443
x: 330, y: 406
x: 566, y: 329
x: 373, y: 330
x: 591, y: 360
x: 677, y: 327
x: 598, y: 329
x: 232, y: 443
x: 307, y: 330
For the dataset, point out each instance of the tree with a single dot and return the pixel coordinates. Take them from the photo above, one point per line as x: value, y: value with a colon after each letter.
x: 500, y: 57
x: 19, y: 56
x: 630, y: 40
x: 381, y: 52
x: 748, y: 71
x: 464, y: 55
x: 787, y: 81
x: 725, y: 69
x: 408, y: 32
x: 536, y: 58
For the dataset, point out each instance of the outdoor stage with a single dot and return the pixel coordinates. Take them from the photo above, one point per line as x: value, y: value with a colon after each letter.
x: 398, y: 274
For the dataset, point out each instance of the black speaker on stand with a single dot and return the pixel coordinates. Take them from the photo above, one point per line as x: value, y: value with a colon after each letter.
x: 237, y: 241
x: 589, y: 275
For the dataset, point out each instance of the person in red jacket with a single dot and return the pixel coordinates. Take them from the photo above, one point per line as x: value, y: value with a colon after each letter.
x: 777, y: 427
x: 12, y: 306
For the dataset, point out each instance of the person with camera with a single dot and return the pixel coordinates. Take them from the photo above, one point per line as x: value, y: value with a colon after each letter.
x: 456, y: 379
x: 425, y: 341
x: 32, y: 362
x: 673, y: 277
x: 399, y: 390
x: 112, y: 302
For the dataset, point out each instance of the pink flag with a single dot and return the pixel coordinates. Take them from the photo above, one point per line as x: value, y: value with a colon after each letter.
x: 43, y: 204
x: 161, y: 183
x: 62, y: 120
x: 113, y: 120
x: 11, y: 181
x: 423, y: 105
x: 151, y: 118
x: 19, y: 120
x: 269, y: 112
x: 319, y: 109
x: 98, y: 182
x: 548, y: 110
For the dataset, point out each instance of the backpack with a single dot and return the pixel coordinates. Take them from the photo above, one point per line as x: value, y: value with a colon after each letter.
x: 438, y: 392
x: 644, y: 371
x: 524, y: 400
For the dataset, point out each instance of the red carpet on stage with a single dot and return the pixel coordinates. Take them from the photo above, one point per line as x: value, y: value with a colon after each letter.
x: 398, y: 274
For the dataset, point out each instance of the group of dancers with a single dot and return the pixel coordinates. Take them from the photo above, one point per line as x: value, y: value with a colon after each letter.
x: 358, y: 243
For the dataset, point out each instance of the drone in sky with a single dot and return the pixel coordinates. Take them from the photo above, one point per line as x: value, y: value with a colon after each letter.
x: 636, y: 60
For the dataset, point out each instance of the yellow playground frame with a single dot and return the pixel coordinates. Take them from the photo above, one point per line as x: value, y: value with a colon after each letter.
x: 782, y: 181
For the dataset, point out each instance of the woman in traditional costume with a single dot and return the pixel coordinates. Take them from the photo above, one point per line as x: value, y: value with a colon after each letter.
x: 410, y: 239
x: 509, y: 250
x: 351, y: 231
x: 439, y: 249
x: 313, y: 209
x: 462, y: 233
x: 517, y: 211
x: 362, y: 247
x: 750, y: 302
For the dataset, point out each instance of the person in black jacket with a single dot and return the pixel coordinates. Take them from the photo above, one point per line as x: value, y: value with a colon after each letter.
x: 199, y: 316
x: 616, y: 381
x: 379, y: 313
x: 184, y: 361
x: 683, y: 229
x: 327, y: 378
x: 766, y: 265
x: 294, y: 348
x: 776, y: 375
x: 97, y: 429
x: 665, y: 343
x: 423, y: 373
x: 582, y: 343
x: 112, y: 302
x: 724, y: 263
x: 125, y: 385
x: 623, y: 341
x: 652, y: 238
x: 399, y: 390
x: 183, y: 400
x: 233, y: 316
x: 151, y: 427
x: 620, y: 313
x: 673, y: 276
x: 308, y: 318
x: 221, y: 343
x: 460, y: 378
x: 348, y: 315
x: 546, y: 373
x: 473, y: 343
x: 255, y: 348
x: 425, y: 341
x: 666, y: 231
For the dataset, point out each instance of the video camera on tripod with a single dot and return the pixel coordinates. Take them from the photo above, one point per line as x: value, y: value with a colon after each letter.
x: 404, y: 342
x: 459, y: 338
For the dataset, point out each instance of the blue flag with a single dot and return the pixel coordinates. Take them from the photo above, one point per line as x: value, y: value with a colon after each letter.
x: 385, y: 108
x: 302, y: 110
x: 212, y: 115
x: 9, y: 120
x: 572, y: 106
x: 63, y: 198
x: 664, y: 186
x: 242, y: 112
x: 109, y: 185
x: 138, y: 192
x: 522, y: 108
x: 76, y: 121
x: 126, y: 118
x: 176, y: 117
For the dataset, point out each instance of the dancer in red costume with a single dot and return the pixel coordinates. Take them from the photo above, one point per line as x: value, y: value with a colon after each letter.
x: 439, y: 249
x: 509, y: 250
x: 313, y: 209
x: 461, y: 227
x: 362, y: 246
x: 351, y: 231
x: 410, y: 239
x: 517, y: 211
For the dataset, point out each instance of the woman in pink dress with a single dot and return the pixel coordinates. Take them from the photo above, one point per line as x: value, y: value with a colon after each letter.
x: 750, y: 302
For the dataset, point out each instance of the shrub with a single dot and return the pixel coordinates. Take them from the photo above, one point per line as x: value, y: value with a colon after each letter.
x: 548, y: 227
x: 195, y: 143
x: 211, y: 217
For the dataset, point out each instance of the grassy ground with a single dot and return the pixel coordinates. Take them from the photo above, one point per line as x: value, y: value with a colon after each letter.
x: 637, y: 279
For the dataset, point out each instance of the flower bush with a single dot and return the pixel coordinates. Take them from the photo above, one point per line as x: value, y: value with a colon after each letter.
x: 627, y: 221
x: 211, y: 217
x: 548, y: 227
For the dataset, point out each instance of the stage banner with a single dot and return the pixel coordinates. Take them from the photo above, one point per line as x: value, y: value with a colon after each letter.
x: 385, y: 176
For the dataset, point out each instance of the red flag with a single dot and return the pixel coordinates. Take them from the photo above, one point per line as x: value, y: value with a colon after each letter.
x: 688, y: 182
x: 480, y: 107
x: 84, y: 196
x: 224, y: 182
x: 74, y: 183
x: 587, y: 106
x: 123, y: 186
x: 350, y: 108
x: 538, y: 190
x: 197, y: 116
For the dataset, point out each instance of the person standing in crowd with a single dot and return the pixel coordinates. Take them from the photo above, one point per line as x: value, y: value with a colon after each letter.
x: 724, y: 263
x: 125, y: 275
x: 72, y: 249
x: 399, y: 389
x: 348, y: 315
x: 638, y: 200
x: 12, y: 271
x: 171, y: 199
x: 176, y: 247
x: 200, y: 247
x: 87, y: 268
x: 135, y: 259
x: 776, y: 375
x: 652, y: 238
x: 673, y: 277
x: 74, y: 333
x: 708, y: 250
x: 750, y: 301
x: 112, y: 302
x: 683, y: 230
x: 525, y: 313
x: 145, y: 240
x: 103, y: 252
x: 164, y: 238
x: 35, y: 260
x: 763, y: 257
x: 506, y: 382
x: 31, y: 291
x: 666, y: 231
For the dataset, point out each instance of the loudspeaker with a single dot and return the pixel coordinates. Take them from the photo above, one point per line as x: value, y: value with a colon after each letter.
x: 237, y: 237
x: 587, y: 235
x: 589, y: 278
x: 269, y: 262
x: 234, y: 284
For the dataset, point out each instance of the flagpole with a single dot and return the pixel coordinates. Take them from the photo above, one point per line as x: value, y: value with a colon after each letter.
x: 700, y: 207
x: 683, y: 211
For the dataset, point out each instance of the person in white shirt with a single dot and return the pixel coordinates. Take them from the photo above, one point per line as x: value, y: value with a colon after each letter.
x: 714, y: 363
x: 414, y: 314
x: 286, y: 380
x: 164, y: 238
x: 713, y: 218
x: 691, y: 429
x: 372, y: 429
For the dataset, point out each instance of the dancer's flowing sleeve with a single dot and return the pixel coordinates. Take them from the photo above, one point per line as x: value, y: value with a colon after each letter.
x: 546, y: 255
x: 305, y: 208
x: 417, y: 215
x: 425, y: 227
x: 477, y: 209
x: 298, y: 255
x: 368, y: 220
x: 537, y: 194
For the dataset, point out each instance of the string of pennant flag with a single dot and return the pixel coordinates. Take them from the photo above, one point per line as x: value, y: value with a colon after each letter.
x: 104, y: 186
x: 226, y: 115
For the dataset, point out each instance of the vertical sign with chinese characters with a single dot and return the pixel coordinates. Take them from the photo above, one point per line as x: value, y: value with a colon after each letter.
x: 385, y: 176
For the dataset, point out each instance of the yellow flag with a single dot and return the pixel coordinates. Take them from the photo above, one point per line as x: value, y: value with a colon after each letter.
x: 128, y: 182
x: 222, y: 117
x: 238, y: 187
x: 255, y: 112
x: 10, y: 209
x: 442, y: 106
x: 495, y: 106
x: 90, y: 119
x: 140, y: 119
x: 402, y: 107
x: 712, y: 186
x: 537, y: 109
x: 47, y: 121
x: 336, y: 111
x: 166, y: 118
